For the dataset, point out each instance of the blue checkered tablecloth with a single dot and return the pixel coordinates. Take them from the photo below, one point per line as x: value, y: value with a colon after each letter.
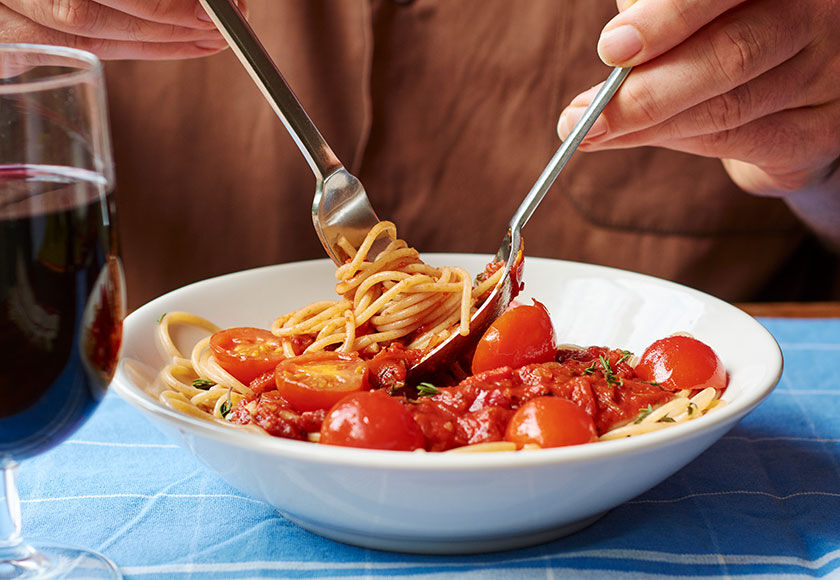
x: 763, y: 502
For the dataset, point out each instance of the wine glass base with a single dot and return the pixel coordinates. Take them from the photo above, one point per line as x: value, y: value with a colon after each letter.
x: 42, y: 560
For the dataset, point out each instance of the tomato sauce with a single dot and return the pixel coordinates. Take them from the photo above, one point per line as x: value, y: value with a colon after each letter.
x: 478, y: 408
x: 273, y: 413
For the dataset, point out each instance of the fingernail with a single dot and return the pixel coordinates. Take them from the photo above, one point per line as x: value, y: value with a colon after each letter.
x: 201, y: 14
x: 618, y: 45
x: 570, y: 117
x: 563, y: 126
x: 625, y: 4
x: 212, y: 44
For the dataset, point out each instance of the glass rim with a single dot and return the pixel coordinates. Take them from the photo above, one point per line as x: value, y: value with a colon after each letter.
x: 58, y: 80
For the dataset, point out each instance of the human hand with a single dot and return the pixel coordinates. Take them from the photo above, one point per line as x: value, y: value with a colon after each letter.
x: 114, y: 29
x: 755, y: 83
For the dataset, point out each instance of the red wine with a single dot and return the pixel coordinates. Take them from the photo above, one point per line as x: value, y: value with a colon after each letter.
x: 61, y: 303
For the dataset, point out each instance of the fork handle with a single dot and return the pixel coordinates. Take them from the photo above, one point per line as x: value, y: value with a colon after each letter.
x: 242, y: 40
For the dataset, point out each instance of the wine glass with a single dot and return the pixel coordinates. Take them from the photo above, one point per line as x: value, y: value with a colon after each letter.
x: 61, y: 284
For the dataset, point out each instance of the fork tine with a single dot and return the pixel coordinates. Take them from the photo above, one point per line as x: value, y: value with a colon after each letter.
x: 341, y: 209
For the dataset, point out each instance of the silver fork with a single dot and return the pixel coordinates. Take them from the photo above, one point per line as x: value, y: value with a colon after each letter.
x: 341, y: 207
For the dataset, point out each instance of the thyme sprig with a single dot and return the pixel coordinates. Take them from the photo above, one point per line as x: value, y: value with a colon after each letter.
x: 626, y: 355
x: 203, y: 384
x: 609, y: 375
x: 643, y: 414
x: 427, y: 390
x: 227, y: 406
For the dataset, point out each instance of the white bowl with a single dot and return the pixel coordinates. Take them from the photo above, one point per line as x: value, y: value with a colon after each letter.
x: 444, y: 503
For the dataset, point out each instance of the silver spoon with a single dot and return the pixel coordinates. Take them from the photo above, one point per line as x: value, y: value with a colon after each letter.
x: 509, y: 251
x: 341, y: 207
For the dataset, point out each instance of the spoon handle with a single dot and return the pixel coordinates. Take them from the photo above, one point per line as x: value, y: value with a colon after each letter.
x: 242, y: 40
x: 567, y: 148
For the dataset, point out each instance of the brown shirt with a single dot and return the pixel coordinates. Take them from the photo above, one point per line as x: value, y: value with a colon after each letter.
x: 446, y: 111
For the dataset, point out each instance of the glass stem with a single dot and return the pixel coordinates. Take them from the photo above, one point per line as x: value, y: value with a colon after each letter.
x: 15, y: 555
x: 10, y: 537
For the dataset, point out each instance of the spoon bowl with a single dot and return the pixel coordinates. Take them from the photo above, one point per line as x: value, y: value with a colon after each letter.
x: 510, y: 254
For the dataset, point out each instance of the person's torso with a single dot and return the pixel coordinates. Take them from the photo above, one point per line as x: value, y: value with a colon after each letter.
x: 446, y: 111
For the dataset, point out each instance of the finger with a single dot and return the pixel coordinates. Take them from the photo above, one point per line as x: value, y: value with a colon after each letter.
x: 188, y: 13
x: 738, y: 47
x: 793, y: 147
x: 795, y: 83
x: 127, y: 50
x: 95, y: 20
x: 784, y: 144
x: 645, y: 29
x: 16, y: 28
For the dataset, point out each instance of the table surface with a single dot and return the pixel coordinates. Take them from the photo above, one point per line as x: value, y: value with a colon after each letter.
x: 764, y: 501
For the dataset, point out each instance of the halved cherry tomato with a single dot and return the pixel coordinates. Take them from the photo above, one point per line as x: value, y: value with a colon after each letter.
x: 318, y: 380
x: 550, y: 422
x: 520, y: 336
x: 246, y: 352
x: 681, y: 362
x: 372, y: 420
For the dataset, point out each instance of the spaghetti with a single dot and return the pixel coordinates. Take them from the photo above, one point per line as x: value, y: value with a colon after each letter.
x: 195, y: 385
x: 395, y: 296
x: 395, y: 301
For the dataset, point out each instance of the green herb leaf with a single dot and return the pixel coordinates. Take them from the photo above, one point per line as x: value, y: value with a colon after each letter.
x: 642, y: 414
x: 625, y: 356
x: 395, y: 388
x: 691, y: 408
x: 666, y: 419
x: 227, y: 406
x: 203, y: 384
x: 609, y: 375
x: 427, y: 390
x: 606, y: 364
x: 589, y: 370
x: 160, y: 318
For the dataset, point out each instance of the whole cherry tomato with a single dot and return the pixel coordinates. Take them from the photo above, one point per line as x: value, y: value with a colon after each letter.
x: 681, y: 362
x: 520, y: 336
x: 550, y: 422
x: 318, y: 380
x: 372, y: 420
x: 246, y: 352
